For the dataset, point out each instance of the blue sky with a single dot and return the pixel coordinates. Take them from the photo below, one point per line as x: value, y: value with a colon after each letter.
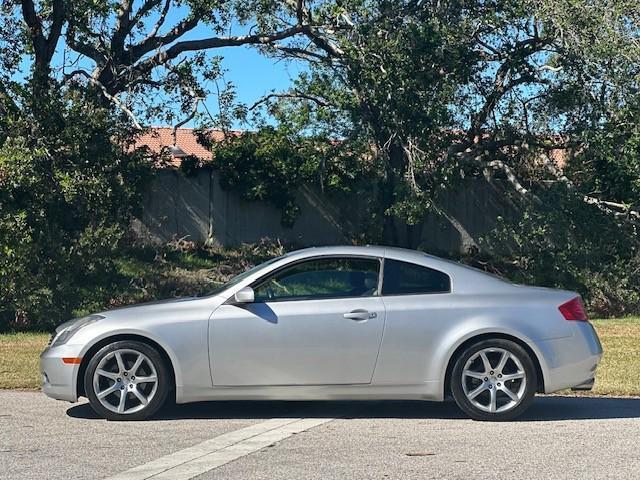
x: 254, y: 74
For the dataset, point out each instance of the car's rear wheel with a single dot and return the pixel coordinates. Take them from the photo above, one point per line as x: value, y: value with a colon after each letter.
x: 494, y: 379
x: 127, y: 380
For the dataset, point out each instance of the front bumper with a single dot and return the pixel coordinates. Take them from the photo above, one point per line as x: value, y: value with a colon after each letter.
x: 59, y: 379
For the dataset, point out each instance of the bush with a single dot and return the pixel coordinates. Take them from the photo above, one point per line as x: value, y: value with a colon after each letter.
x: 571, y: 245
x: 268, y: 166
x: 176, y: 269
x: 69, y: 184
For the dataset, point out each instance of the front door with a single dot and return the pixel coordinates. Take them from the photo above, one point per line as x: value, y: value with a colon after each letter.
x: 316, y: 322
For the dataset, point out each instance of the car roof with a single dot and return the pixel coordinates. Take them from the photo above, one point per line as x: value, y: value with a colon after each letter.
x: 372, y: 250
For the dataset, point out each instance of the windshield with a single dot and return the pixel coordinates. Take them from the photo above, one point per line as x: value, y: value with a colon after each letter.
x: 238, y: 278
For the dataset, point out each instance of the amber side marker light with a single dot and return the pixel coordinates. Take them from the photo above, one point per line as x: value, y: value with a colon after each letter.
x: 72, y: 360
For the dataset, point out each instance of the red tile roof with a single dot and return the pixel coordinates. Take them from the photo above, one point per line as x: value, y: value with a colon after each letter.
x: 159, y: 141
x: 559, y: 157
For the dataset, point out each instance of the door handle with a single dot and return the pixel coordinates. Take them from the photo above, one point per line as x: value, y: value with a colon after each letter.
x: 360, y: 315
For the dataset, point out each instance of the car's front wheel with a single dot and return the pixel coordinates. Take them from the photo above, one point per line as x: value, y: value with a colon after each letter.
x: 126, y: 380
x: 494, y: 379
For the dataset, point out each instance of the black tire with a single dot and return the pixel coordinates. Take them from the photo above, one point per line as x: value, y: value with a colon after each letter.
x: 158, y: 394
x: 491, y: 381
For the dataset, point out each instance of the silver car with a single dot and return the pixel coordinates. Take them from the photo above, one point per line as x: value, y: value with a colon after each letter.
x: 332, y: 323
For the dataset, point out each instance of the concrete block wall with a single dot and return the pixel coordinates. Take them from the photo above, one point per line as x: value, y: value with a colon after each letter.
x: 196, y: 208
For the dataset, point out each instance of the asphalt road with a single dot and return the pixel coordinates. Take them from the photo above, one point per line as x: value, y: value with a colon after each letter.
x: 560, y: 437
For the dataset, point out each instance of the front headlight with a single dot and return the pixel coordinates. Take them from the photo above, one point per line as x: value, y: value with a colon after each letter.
x: 67, y: 330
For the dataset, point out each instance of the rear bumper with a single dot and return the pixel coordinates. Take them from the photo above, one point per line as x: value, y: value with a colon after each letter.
x: 585, y: 386
x: 59, y: 379
x: 572, y: 361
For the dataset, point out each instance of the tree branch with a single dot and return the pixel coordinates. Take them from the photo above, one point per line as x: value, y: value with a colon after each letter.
x: 616, y: 209
x: 194, y: 110
x: 34, y: 23
x: 82, y: 48
x: 153, y: 42
x: 303, y: 54
x: 162, y: 57
x: 112, y: 98
x: 323, y: 43
x: 44, y: 46
x: 294, y: 94
x: 476, y: 153
x: 31, y: 18
x: 122, y: 25
x: 513, y: 180
x: 518, y: 53
x: 159, y: 23
x: 499, y: 91
x: 146, y: 7
x: 57, y: 21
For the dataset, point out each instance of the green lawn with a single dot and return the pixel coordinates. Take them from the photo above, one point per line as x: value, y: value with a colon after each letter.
x: 618, y: 374
x: 19, y: 354
x: 619, y: 371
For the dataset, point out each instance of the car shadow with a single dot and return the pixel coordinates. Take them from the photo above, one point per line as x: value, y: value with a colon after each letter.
x: 543, y: 409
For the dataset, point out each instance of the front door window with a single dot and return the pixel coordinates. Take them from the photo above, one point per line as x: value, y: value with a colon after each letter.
x: 321, y: 279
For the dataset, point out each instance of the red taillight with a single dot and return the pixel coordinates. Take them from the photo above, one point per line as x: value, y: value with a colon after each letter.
x: 573, y: 310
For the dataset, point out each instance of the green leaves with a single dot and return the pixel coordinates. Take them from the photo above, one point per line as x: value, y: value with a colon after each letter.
x: 68, y: 187
x: 569, y: 244
x: 268, y: 166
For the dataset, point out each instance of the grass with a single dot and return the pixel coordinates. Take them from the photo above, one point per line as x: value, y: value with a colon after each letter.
x: 618, y: 374
x: 19, y: 355
x: 619, y: 370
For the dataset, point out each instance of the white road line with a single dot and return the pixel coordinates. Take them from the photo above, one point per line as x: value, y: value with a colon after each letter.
x: 215, y: 452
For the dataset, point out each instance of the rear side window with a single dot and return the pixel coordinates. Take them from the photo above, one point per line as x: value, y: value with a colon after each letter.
x: 402, y: 278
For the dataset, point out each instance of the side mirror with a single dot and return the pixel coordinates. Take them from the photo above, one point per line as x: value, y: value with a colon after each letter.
x: 244, y: 295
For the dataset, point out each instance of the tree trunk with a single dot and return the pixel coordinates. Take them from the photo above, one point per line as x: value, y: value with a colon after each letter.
x: 414, y: 234
x: 394, y: 171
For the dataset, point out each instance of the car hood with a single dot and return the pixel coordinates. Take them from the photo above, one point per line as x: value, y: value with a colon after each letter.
x: 162, y: 306
x: 160, y: 302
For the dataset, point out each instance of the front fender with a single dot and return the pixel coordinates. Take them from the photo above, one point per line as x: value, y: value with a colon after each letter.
x: 142, y: 334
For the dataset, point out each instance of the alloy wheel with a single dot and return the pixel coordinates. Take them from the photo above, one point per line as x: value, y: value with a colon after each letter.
x: 125, y: 381
x: 494, y: 380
